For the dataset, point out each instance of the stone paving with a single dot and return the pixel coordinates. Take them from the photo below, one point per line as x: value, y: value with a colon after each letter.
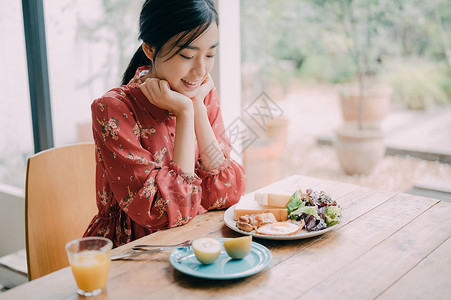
x: 420, y: 134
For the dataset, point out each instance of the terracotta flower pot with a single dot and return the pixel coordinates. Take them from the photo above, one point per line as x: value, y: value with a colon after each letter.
x: 359, y: 151
x: 375, y: 104
x: 277, y: 129
x: 260, y: 161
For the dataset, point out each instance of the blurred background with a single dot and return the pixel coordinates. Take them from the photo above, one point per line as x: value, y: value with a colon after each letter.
x: 310, y: 56
x: 315, y: 79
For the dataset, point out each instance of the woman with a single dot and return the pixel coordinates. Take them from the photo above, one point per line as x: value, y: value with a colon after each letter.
x: 162, y: 155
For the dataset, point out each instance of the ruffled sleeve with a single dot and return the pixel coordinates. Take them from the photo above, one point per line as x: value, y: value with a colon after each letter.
x: 223, y: 186
x: 149, y: 187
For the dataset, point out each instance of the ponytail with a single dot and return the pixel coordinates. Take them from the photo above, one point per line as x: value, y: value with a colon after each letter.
x: 139, y: 59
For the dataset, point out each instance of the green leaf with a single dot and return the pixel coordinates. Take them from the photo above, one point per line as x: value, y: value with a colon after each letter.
x: 332, y: 215
x: 309, y: 210
x: 295, y: 201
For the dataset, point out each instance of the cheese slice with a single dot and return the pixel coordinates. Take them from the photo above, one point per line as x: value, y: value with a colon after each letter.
x: 272, y: 199
x: 248, y: 206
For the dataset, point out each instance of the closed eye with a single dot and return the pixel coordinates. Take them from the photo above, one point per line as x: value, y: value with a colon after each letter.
x: 186, y: 57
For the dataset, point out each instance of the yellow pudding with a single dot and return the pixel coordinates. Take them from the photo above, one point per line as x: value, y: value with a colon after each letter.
x: 238, y: 248
x: 206, y: 250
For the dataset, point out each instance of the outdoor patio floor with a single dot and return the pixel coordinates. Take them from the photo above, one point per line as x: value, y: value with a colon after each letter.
x: 418, y: 144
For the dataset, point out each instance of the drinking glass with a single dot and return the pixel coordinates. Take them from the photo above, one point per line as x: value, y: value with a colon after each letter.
x: 89, y: 259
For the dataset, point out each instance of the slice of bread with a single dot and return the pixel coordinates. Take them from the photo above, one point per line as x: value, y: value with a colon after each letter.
x: 272, y: 199
x: 247, y: 206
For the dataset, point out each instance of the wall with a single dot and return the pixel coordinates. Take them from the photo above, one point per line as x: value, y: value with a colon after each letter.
x: 227, y: 70
x: 12, y: 219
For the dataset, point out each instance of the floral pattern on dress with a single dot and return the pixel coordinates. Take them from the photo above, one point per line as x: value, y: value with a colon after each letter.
x: 146, y: 132
x: 193, y: 193
x: 159, y: 157
x: 143, y: 132
x: 220, y: 203
x: 102, y: 107
x: 139, y: 189
x: 119, y: 230
x: 228, y: 183
x: 122, y: 94
x: 139, y: 159
x: 136, y: 132
x: 109, y: 128
x: 103, y: 232
x: 162, y: 206
x: 99, y: 154
x: 181, y: 220
x: 103, y: 196
x: 149, y: 189
x: 128, y: 232
x: 125, y: 202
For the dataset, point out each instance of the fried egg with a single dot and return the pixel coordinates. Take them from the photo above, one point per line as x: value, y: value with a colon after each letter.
x: 279, y: 228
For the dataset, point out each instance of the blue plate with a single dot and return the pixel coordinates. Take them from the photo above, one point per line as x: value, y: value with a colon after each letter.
x: 224, y: 267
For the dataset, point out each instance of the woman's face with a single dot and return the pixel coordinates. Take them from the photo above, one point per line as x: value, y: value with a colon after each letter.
x: 186, y: 71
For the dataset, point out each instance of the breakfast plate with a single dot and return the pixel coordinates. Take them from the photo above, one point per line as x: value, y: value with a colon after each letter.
x: 301, y: 234
x: 224, y: 267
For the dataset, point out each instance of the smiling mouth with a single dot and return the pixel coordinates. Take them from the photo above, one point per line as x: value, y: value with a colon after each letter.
x: 191, y: 84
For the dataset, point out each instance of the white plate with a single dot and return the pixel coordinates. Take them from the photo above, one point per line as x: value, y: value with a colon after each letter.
x: 301, y: 234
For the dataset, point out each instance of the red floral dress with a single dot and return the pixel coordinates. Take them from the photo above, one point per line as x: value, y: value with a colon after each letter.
x: 139, y: 188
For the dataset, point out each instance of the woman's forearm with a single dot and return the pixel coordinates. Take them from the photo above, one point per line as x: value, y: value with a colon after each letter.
x: 184, y: 141
x: 210, y: 152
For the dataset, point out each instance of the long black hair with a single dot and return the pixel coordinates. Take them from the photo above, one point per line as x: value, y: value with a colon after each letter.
x: 160, y: 20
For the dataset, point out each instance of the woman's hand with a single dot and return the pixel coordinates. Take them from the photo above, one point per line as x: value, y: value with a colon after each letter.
x: 204, y: 89
x: 159, y: 93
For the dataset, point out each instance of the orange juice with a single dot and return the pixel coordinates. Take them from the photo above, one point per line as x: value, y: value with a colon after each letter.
x: 90, y: 269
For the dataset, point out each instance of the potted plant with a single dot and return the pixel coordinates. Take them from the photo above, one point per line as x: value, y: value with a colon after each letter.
x: 360, y: 143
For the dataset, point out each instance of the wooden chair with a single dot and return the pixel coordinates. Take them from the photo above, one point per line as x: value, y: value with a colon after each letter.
x: 59, y: 204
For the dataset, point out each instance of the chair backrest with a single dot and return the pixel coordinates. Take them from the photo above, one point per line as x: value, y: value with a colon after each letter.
x: 59, y: 204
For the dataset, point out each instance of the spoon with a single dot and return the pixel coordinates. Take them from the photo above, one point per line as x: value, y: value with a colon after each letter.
x: 132, y: 254
x: 180, y: 245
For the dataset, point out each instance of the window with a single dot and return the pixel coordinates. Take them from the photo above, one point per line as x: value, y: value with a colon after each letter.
x: 89, y: 44
x: 15, y: 122
x: 304, y: 56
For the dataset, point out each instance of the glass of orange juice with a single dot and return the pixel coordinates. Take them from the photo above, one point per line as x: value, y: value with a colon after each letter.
x: 89, y: 259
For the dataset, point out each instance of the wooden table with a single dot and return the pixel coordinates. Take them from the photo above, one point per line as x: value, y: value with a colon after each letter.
x: 388, y: 246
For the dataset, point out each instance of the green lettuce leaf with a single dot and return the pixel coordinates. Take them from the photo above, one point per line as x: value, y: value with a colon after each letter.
x: 309, y: 210
x: 332, y: 215
x: 295, y: 201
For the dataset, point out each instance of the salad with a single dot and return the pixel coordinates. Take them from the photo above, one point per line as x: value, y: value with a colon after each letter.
x: 316, y: 209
